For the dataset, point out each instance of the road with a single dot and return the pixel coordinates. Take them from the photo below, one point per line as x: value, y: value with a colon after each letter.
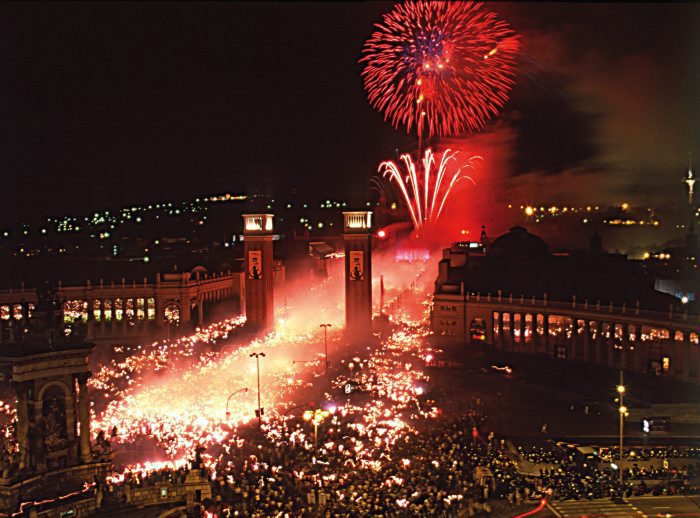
x: 667, y: 505
x: 541, y: 390
x: 637, y: 507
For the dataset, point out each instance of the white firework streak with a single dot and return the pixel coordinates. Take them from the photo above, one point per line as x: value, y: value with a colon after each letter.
x: 426, y: 200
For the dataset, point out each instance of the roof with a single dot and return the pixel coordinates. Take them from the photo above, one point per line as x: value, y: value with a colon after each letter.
x: 518, y: 242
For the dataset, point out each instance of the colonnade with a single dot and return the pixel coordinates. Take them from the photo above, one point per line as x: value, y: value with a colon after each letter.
x: 613, y: 342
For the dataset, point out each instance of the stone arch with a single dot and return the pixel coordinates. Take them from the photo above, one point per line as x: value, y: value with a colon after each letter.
x: 172, y: 312
x: 56, y: 383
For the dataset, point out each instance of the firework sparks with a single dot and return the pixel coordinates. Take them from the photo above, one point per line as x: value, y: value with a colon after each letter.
x: 444, y: 67
x: 425, y: 195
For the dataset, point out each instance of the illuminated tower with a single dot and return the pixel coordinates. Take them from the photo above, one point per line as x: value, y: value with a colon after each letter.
x: 358, y: 274
x: 257, y: 246
x: 689, y: 181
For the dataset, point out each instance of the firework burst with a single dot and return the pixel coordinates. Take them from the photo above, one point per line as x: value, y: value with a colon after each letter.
x: 444, y: 68
x: 425, y: 195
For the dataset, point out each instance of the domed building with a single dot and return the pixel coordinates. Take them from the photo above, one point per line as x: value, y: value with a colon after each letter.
x: 519, y: 245
x: 586, y: 306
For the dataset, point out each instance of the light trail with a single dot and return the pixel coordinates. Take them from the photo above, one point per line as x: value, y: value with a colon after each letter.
x: 425, y: 195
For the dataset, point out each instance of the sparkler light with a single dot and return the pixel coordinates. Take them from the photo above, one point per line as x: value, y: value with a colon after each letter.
x: 425, y: 194
x: 442, y: 66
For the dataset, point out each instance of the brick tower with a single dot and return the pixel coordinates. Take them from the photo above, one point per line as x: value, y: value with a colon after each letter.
x: 257, y: 246
x: 358, y: 274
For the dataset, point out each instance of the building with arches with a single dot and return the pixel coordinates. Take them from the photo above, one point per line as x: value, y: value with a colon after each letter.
x: 127, y: 311
x: 588, y: 306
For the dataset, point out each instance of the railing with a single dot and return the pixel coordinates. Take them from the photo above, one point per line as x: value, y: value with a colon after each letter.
x: 597, y: 307
x: 29, y: 294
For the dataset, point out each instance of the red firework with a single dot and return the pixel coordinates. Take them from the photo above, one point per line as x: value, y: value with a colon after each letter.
x: 441, y: 67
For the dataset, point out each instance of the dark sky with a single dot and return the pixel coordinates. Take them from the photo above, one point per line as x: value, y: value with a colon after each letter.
x: 105, y: 104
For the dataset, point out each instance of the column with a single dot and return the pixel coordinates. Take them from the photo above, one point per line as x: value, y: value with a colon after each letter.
x: 114, y: 317
x: 574, y: 339
x: 687, y: 357
x: 638, y: 344
x: 694, y: 359
x: 200, y: 311
x: 91, y: 320
x: 145, y: 314
x: 625, y: 346
x: 545, y: 336
x: 501, y: 343
x: 586, y: 334
x: 22, y: 391
x: 2, y: 330
x: 125, y: 319
x: 160, y: 313
x: 84, y: 417
x: 537, y: 336
x: 611, y: 345
x: 511, y: 333
x: 521, y: 327
x: 599, y: 342
x: 185, y: 313
x: 103, y: 324
x: 676, y: 356
x: 70, y: 426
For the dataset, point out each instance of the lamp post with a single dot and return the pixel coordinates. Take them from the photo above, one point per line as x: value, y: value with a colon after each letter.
x: 325, y: 344
x: 316, y: 417
x: 257, y: 362
x: 623, y: 412
x: 228, y: 414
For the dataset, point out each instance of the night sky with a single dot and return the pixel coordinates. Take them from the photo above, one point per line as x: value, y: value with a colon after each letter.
x: 111, y: 104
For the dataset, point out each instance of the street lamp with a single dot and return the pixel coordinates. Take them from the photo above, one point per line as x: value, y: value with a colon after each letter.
x: 325, y: 343
x: 623, y: 412
x: 316, y: 417
x: 228, y: 414
x: 259, y: 411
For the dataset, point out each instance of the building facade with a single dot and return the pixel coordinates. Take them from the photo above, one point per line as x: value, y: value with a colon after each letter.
x: 616, y: 334
x: 127, y: 312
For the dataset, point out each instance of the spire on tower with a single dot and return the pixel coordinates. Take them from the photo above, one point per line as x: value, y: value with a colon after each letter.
x: 690, y: 179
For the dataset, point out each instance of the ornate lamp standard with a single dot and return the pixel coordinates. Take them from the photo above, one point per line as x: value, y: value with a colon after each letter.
x: 259, y: 411
x: 325, y: 344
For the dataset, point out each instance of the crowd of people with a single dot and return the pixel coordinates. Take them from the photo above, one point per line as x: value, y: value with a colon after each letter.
x: 446, y: 470
x: 645, y: 454
x: 423, y: 475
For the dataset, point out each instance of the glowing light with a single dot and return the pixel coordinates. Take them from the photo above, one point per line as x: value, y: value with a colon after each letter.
x: 453, y: 61
x: 425, y: 196
x: 529, y: 211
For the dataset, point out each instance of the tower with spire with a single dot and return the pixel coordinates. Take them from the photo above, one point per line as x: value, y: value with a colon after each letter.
x: 691, y: 238
x: 689, y: 180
